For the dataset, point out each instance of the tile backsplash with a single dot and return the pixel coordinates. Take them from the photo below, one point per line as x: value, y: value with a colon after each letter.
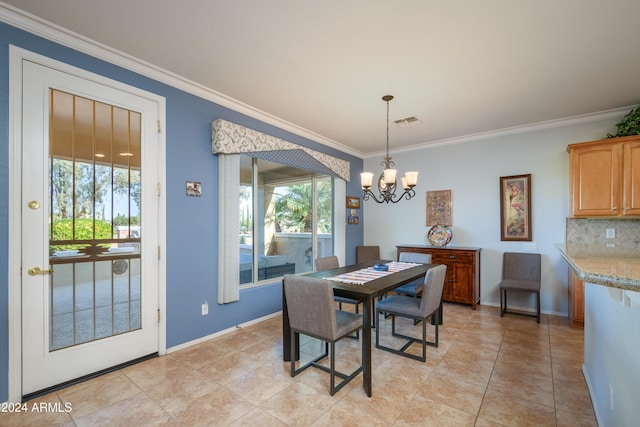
x: 593, y: 231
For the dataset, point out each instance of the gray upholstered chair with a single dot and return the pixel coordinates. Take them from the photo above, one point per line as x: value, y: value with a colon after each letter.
x: 312, y: 312
x: 520, y: 272
x: 331, y: 262
x: 418, y: 309
x: 367, y: 253
x: 412, y: 289
x: 327, y: 263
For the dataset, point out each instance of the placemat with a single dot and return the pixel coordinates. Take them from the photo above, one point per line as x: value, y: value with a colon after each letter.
x: 360, y: 277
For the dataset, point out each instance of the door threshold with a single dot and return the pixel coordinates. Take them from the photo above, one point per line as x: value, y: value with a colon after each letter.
x: 84, y: 378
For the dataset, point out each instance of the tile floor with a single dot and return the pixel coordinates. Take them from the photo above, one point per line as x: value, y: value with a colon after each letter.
x: 487, y: 371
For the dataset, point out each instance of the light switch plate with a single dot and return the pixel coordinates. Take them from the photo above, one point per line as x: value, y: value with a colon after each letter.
x: 530, y: 246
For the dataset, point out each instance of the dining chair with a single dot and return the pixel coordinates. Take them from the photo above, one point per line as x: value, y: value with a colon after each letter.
x: 520, y: 272
x: 412, y: 289
x: 367, y: 253
x: 418, y: 309
x: 312, y: 312
x: 331, y: 262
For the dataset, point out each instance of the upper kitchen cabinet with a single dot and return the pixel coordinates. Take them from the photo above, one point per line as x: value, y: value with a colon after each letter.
x: 604, y: 177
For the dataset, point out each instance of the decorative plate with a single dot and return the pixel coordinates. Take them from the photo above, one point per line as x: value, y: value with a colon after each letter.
x: 439, y: 235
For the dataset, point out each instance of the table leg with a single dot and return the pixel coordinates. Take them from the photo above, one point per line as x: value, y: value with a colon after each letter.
x: 366, y: 344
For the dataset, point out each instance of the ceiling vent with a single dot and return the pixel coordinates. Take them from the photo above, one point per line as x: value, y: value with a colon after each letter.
x: 407, y: 121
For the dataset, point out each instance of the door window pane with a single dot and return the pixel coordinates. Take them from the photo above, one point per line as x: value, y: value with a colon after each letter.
x: 95, y: 231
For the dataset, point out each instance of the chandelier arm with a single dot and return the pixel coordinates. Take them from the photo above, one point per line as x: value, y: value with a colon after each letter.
x: 368, y: 194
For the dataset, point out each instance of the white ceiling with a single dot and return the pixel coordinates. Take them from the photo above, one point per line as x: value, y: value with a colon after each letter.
x: 463, y: 67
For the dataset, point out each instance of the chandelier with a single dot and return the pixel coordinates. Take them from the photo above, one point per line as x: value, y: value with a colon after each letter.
x: 387, y: 181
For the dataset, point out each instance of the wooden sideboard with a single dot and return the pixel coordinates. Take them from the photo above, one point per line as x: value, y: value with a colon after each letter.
x: 462, y: 282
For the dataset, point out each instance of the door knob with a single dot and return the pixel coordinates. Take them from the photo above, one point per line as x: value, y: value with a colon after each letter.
x: 34, y: 271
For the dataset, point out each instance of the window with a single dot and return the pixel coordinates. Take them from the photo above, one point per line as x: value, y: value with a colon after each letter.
x: 272, y: 169
x: 286, y: 219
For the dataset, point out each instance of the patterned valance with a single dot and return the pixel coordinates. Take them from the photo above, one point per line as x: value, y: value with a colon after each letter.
x: 230, y: 138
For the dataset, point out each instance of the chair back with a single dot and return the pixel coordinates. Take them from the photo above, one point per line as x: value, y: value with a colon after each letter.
x: 367, y: 253
x: 521, y: 266
x: 310, y: 306
x: 327, y: 263
x: 415, y: 257
x: 432, y: 289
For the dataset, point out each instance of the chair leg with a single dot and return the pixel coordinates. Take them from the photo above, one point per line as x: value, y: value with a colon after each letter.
x: 503, y: 302
x: 538, y: 306
x: 293, y: 359
x: 424, y: 341
x: 332, y: 373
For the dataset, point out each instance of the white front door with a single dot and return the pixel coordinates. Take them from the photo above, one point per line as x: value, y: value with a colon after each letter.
x: 90, y: 217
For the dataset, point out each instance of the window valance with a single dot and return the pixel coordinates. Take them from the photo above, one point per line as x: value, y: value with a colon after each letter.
x: 230, y: 138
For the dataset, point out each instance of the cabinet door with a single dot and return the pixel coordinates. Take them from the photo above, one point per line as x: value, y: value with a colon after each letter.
x: 462, y: 280
x: 595, y: 180
x: 631, y: 169
x: 576, y: 300
x: 443, y: 257
x: 459, y: 277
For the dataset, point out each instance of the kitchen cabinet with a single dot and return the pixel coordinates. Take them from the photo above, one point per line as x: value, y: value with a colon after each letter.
x: 604, y: 178
x: 462, y: 281
x: 576, y: 301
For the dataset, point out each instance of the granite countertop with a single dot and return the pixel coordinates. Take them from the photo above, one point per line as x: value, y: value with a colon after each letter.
x: 616, y: 267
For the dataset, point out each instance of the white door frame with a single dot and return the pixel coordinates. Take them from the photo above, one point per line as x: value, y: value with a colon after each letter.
x: 16, y: 58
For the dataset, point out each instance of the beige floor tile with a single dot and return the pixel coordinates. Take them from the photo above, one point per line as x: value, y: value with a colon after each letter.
x: 483, y: 422
x: 452, y: 391
x: 220, y: 407
x: 488, y: 340
x: 257, y: 417
x: 531, y: 366
x: 389, y: 397
x: 505, y: 408
x: 527, y: 387
x: 180, y: 388
x: 568, y: 419
x: 573, y: 399
x: 526, y: 349
x: 298, y: 405
x: 138, y: 409
x: 98, y: 393
x: 475, y: 373
x: 425, y: 413
x: 467, y: 353
x: 343, y: 415
x: 257, y: 385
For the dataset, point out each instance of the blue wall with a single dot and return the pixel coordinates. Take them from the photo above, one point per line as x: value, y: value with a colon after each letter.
x: 192, y: 233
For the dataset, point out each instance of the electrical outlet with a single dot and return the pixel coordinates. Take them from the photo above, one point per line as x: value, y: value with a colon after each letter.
x: 530, y: 246
x: 610, y: 233
x: 205, y: 308
x: 611, y: 397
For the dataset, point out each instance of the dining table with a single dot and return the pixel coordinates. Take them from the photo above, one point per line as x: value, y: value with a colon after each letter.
x: 367, y: 292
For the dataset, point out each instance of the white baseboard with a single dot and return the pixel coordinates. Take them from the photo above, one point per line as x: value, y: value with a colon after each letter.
x: 223, y: 332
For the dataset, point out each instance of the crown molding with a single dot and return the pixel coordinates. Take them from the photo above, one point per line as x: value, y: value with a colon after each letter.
x: 55, y: 33
x: 615, y: 113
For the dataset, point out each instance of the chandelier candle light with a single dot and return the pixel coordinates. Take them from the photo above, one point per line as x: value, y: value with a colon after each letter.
x: 387, y: 180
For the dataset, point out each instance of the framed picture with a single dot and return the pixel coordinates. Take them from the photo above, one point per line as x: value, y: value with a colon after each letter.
x: 353, y: 202
x: 194, y: 189
x: 439, y: 207
x: 515, y: 208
